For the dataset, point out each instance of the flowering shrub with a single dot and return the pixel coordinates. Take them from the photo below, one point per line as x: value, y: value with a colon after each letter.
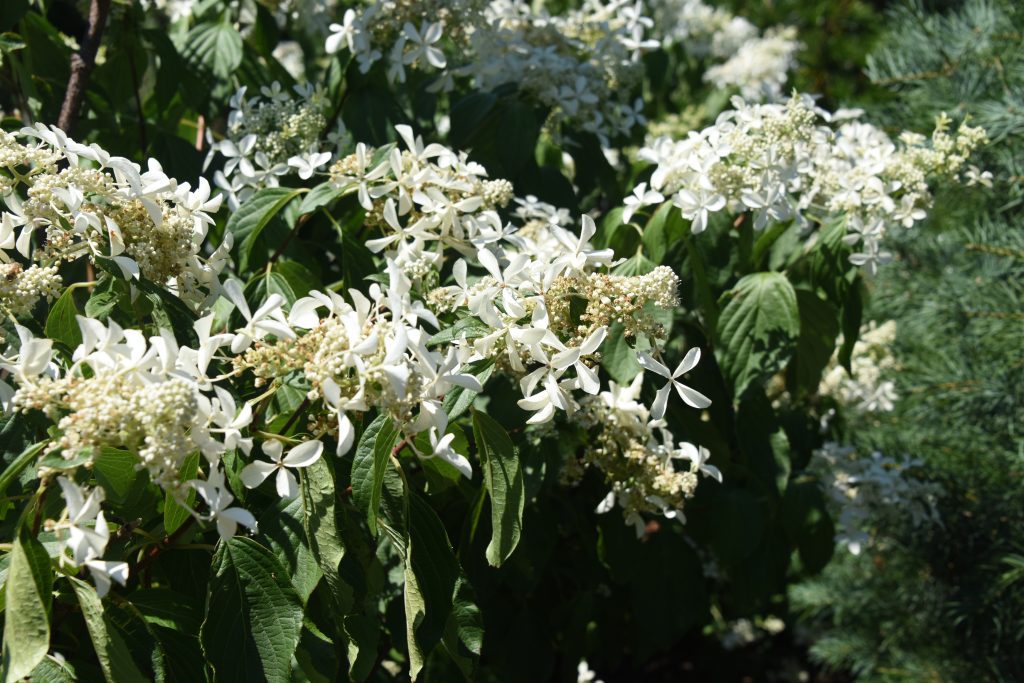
x: 394, y: 364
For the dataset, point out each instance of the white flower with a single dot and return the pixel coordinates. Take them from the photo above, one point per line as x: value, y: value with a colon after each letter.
x: 308, y: 163
x: 695, y: 206
x: 690, y: 396
x: 422, y: 42
x: 268, y: 318
x: 219, y: 499
x: 102, y: 572
x: 442, y: 448
x: 641, y: 197
x: 85, y: 542
x: 303, y: 455
x: 699, y: 457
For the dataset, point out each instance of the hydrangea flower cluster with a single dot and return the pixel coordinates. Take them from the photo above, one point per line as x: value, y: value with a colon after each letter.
x: 742, y: 58
x: 866, y: 389
x: 270, y: 136
x: 795, y: 161
x: 65, y: 201
x: 582, y: 65
x: 398, y: 350
x: 867, y: 490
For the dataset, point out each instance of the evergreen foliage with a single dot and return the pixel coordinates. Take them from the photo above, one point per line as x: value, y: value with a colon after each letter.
x: 945, y: 601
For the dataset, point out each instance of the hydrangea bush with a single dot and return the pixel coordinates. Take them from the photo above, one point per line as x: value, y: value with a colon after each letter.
x: 402, y: 348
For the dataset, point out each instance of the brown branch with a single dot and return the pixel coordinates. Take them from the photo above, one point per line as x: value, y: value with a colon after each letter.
x: 82, y: 64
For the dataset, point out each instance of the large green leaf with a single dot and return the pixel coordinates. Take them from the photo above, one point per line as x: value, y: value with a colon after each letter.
x: 319, y: 519
x: 28, y: 594
x: 253, y: 614
x: 282, y: 528
x: 248, y: 222
x: 819, y: 327
x: 431, y: 573
x: 114, y: 656
x: 618, y: 357
x: 758, y: 329
x: 61, y: 324
x: 464, y: 632
x: 503, y: 478
x: 370, y: 464
x: 215, y: 47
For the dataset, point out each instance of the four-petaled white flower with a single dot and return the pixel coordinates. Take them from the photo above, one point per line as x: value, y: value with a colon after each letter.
x: 303, y: 455
x: 422, y: 42
x: 640, y: 198
x: 690, y: 396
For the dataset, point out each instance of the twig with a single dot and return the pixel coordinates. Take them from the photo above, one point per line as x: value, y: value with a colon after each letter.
x: 82, y: 63
x: 200, y: 132
x: 288, y: 239
x: 155, y: 551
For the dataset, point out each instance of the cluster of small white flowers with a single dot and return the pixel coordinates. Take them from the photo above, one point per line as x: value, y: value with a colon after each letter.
x: 423, y: 199
x: 582, y: 65
x: 515, y: 316
x: 787, y: 162
x: 866, y: 389
x: 868, y: 490
x: 757, y: 65
x: 638, y: 454
x: 270, y: 136
x: 63, y: 201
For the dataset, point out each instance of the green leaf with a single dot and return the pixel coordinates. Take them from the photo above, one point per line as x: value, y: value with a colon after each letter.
x: 253, y: 615
x: 853, y: 314
x: 19, y: 464
x: 167, y: 608
x: 323, y: 195
x: 61, y: 324
x: 116, y: 472
x: 281, y: 527
x: 618, y: 357
x: 215, y: 47
x: 464, y: 632
x: 663, y: 229
x: 175, y: 513
x: 758, y: 329
x: 104, y: 298
x: 248, y: 222
x: 431, y: 573
x: 28, y: 595
x: 115, y: 658
x: 819, y: 327
x: 807, y: 523
x: 503, y: 479
x: 322, y: 531
x: 370, y: 464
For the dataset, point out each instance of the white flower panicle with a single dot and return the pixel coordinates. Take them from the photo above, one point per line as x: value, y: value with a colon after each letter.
x: 536, y: 302
x: 63, y: 201
x: 582, y: 64
x: 272, y: 135
x: 794, y: 161
x: 867, y: 389
x: 740, y: 57
x: 868, y: 490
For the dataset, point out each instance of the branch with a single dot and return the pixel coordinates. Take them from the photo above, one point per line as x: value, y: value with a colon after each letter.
x: 82, y: 63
